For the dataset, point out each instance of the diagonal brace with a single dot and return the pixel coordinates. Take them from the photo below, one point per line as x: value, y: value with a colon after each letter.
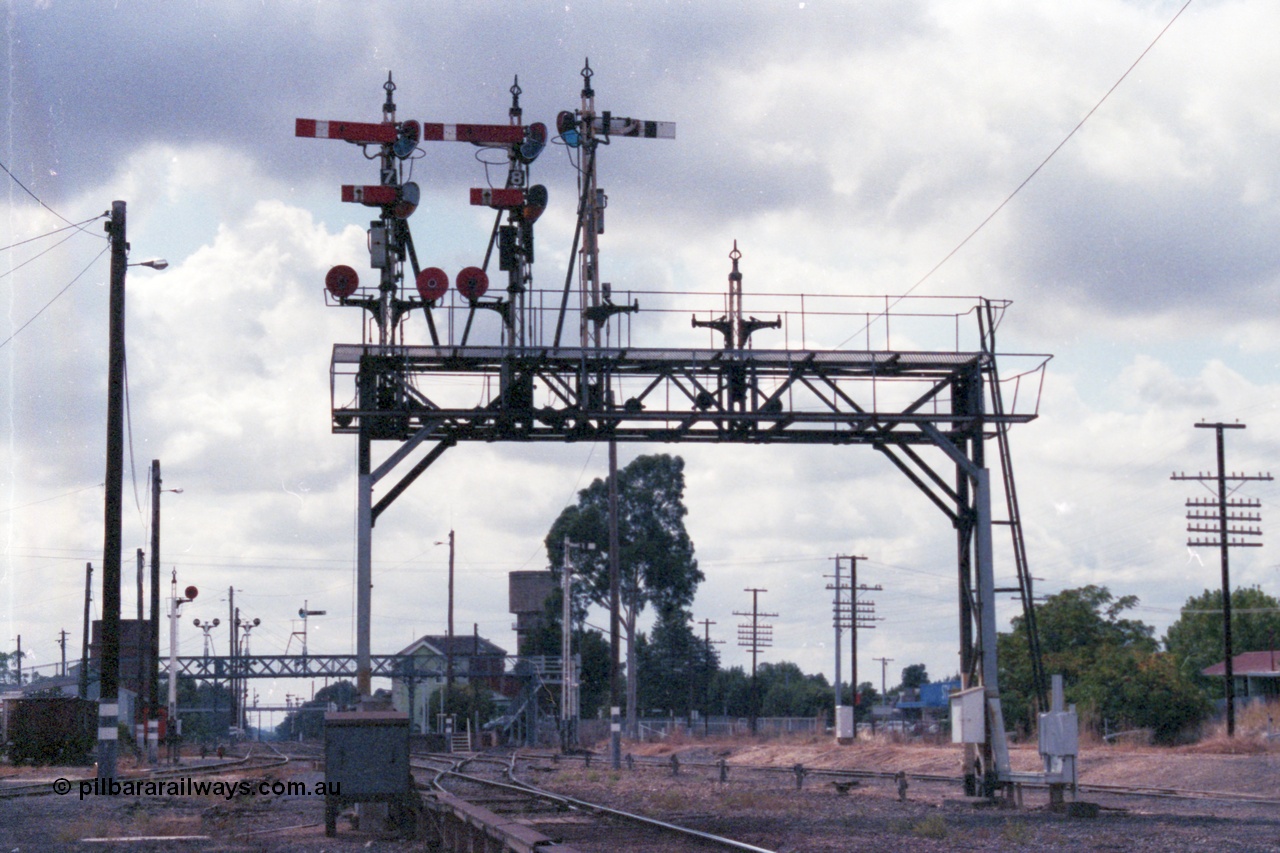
x: 407, y: 480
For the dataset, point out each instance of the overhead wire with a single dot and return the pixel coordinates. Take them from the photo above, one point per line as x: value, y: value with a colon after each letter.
x: 1026, y: 180
x: 40, y: 202
x: 49, y: 234
x: 55, y: 298
x: 54, y: 498
x: 36, y: 256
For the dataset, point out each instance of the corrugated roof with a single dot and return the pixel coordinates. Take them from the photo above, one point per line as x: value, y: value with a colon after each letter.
x: 1257, y: 664
x: 463, y: 645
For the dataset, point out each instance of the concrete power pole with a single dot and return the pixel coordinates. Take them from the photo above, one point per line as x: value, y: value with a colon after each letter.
x: 1225, y: 525
x: 153, y: 661
x: 84, y: 642
x: 109, y: 686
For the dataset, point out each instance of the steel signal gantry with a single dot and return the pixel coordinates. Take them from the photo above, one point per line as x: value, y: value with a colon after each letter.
x: 929, y: 412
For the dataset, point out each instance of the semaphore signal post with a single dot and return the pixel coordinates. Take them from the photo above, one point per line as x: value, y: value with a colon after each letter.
x: 417, y: 385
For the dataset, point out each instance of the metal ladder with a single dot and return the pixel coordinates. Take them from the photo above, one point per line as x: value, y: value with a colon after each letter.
x: 1014, y: 521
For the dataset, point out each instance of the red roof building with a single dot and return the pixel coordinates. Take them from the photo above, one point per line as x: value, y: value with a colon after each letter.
x: 1256, y: 673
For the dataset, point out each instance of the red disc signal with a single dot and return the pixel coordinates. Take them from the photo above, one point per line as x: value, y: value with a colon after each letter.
x: 472, y: 283
x: 433, y: 283
x: 342, y: 281
x: 191, y: 592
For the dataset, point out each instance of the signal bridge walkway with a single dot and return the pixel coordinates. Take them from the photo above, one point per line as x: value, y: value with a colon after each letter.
x: 545, y: 668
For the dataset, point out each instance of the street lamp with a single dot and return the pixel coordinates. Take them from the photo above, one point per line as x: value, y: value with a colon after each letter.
x: 242, y: 685
x: 206, y: 627
x: 155, y: 264
x: 153, y: 668
x: 175, y: 603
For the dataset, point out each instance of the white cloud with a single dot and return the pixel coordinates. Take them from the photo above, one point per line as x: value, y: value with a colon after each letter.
x: 847, y: 149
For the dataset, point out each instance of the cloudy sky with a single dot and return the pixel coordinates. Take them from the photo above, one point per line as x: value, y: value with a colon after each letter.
x: 847, y: 147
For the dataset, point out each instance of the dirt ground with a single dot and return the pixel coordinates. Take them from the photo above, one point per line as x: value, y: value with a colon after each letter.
x: 764, y: 809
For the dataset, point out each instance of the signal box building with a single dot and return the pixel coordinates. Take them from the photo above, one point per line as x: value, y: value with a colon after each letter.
x: 475, y: 659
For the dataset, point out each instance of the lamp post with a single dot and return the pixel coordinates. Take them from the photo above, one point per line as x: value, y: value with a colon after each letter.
x: 242, y: 685
x: 153, y: 668
x: 175, y: 603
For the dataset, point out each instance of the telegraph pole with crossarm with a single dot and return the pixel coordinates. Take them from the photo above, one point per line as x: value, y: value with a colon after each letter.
x: 755, y: 637
x: 1225, y: 533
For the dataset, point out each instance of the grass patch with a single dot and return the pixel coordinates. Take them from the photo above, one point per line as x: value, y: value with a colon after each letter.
x: 1016, y: 832
x: 753, y: 800
x: 668, y: 800
x: 932, y: 826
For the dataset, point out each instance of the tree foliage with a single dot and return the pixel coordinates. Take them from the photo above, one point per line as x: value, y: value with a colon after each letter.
x: 591, y: 645
x: 309, y: 720
x: 786, y: 691
x: 1195, y: 640
x: 674, y: 665
x: 655, y: 553
x: 914, y: 676
x: 1110, y: 665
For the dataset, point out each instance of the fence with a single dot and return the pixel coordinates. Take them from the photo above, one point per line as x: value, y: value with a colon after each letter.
x: 661, y: 728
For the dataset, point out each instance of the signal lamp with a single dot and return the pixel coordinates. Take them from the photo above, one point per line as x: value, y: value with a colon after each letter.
x: 432, y: 283
x: 341, y: 281
x: 472, y: 283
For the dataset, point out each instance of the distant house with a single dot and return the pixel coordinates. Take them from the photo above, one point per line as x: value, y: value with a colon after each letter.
x: 1257, y: 674
x: 930, y: 703
x: 474, y: 659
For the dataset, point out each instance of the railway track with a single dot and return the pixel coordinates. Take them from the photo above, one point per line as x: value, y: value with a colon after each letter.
x: 808, y: 775
x: 483, y: 795
x: 258, y: 756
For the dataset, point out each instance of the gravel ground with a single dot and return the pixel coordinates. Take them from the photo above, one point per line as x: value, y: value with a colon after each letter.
x: 771, y: 813
x: 761, y: 809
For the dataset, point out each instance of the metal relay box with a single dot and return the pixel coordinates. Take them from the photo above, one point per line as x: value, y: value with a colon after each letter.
x: 366, y: 759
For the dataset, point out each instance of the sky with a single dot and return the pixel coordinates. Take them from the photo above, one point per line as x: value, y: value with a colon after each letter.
x: 851, y: 150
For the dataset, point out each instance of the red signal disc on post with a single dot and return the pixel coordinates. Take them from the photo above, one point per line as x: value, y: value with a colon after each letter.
x: 342, y: 281
x: 472, y: 283
x: 432, y: 283
x: 191, y: 592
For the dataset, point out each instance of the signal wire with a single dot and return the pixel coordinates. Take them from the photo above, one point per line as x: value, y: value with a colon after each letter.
x: 1027, y: 180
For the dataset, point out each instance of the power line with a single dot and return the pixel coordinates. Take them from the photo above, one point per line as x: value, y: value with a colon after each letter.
x: 1028, y: 178
x: 49, y: 234
x: 54, y: 498
x: 42, y: 204
x: 6, y: 341
x: 37, y: 256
